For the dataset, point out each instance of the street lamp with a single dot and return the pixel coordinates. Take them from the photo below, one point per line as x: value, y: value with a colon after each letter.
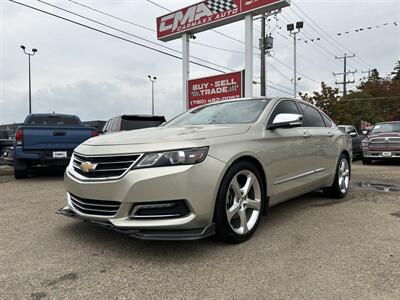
x: 294, y: 32
x: 152, y: 79
x: 34, y: 50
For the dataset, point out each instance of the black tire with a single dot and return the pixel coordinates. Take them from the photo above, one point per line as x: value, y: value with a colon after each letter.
x: 224, y: 232
x: 335, y: 191
x: 366, y: 161
x: 21, y: 169
x: 21, y: 174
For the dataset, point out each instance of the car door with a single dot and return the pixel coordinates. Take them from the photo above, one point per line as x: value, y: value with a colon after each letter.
x: 287, y: 155
x: 356, y: 140
x: 321, y: 145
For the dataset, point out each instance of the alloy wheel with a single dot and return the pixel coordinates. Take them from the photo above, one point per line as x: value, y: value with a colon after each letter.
x: 243, y: 202
x: 344, y: 175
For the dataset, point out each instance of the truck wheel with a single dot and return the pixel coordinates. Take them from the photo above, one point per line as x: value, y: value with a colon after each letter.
x: 21, y: 169
x: 240, y: 202
x: 341, y: 184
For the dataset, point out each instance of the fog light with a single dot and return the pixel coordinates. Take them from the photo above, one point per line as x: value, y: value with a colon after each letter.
x: 173, y: 209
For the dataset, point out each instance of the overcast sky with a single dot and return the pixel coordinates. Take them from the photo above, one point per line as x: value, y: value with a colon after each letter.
x: 83, y: 72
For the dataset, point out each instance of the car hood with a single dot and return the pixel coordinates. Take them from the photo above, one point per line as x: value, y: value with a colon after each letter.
x: 386, y: 134
x: 158, y: 135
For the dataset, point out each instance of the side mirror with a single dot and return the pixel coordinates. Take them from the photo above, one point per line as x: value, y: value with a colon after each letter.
x: 364, y: 132
x: 286, y: 121
x: 353, y: 133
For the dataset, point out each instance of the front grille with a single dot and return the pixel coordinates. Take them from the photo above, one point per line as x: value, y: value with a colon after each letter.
x: 391, y: 143
x: 106, y: 167
x: 95, y: 207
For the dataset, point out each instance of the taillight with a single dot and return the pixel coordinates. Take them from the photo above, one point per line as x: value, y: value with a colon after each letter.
x: 19, y: 136
x: 94, y: 133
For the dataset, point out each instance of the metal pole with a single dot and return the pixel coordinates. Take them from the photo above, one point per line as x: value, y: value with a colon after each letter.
x: 249, y: 56
x: 295, y: 67
x: 185, y: 70
x: 30, y: 93
x: 262, y: 48
x: 152, y: 98
x: 345, y: 76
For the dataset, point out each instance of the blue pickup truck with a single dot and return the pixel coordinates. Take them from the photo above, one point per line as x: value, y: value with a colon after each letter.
x: 47, y: 139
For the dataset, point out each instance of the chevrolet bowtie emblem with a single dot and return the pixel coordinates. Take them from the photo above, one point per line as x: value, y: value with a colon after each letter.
x: 87, y: 166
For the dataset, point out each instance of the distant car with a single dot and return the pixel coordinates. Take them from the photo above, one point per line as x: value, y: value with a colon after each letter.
x: 47, y: 139
x: 7, y: 156
x: 131, y: 122
x: 6, y: 139
x: 356, y: 138
x: 382, y: 143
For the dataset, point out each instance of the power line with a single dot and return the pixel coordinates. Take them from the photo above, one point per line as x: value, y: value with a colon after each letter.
x: 120, y: 38
x: 328, y: 35
x: 113, y: 35
x: 146, y: 27
x: 127, y: 33
x: 237, y: 40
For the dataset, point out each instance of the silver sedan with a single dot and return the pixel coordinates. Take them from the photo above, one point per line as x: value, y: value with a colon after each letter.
x: 215, y: 169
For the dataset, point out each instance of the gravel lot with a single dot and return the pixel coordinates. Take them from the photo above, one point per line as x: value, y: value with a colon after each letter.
x: 310, y: 247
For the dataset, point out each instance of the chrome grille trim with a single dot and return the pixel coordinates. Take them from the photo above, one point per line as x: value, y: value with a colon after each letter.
x: 93, y: 207
x: 108, y: 167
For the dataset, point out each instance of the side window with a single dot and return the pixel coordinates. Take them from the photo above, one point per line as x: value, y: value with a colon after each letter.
x: 283, y: 107
x: 328, y: 122
x: 312, y: 117
x: 114, y: 126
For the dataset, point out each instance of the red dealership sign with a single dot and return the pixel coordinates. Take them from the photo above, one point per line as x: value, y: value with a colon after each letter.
x: 215, y: 88
x: 210, y: 14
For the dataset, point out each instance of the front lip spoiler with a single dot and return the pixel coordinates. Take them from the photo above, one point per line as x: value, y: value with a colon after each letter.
x: 147, y: 234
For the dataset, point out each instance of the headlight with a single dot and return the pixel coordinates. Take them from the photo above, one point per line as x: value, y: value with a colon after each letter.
x: 364, y: 142
x: 173, y: 158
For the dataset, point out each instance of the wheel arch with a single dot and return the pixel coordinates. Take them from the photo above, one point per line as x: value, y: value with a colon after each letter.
x: 256, y: 162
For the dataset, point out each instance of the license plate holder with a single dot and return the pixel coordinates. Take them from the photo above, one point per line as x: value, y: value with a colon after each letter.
x: 386, y: 154
x: 60, y: 154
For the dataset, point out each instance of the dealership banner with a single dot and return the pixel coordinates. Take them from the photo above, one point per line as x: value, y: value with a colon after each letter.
x: 215, y: 88
x: 210, y: 14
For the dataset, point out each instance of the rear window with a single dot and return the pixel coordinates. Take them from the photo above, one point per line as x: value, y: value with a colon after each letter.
x: 53, y: 121
x: 127, y: 124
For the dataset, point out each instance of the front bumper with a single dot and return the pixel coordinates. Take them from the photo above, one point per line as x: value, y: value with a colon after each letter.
x: 143, y: 234
x: 196, y: 184
x: 380, y: 154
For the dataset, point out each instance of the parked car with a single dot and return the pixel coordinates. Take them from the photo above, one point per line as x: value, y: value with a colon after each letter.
x: 209, y: 170
x: 355, y: 137
x: 131, y: 122
x: 47, y: 139
x: 6, y: 139
x: 382, y: 143
x: 7, y: 156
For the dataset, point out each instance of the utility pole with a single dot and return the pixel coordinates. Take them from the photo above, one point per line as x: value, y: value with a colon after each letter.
x: 152, y: 79
x: 34, y: 50
x: 262, y: 50
x: 293, y: 32
x: 366, y: 72
x: 345, y: 82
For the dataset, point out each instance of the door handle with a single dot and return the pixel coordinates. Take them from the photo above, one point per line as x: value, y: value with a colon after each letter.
x: 330, y: 134
x: 306, y: 135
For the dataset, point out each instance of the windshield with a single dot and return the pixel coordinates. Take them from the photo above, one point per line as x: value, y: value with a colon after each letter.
x: 235, y: 112
x: 53, y: 120
x: 386, y: 127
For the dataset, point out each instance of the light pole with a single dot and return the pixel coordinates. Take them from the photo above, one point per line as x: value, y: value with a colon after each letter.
x: 34, y: 50
x: 291, y: 29
x: 152, y: 79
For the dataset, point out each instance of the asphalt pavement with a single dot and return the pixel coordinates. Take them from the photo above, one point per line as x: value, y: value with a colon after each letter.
x: 311, y: 247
